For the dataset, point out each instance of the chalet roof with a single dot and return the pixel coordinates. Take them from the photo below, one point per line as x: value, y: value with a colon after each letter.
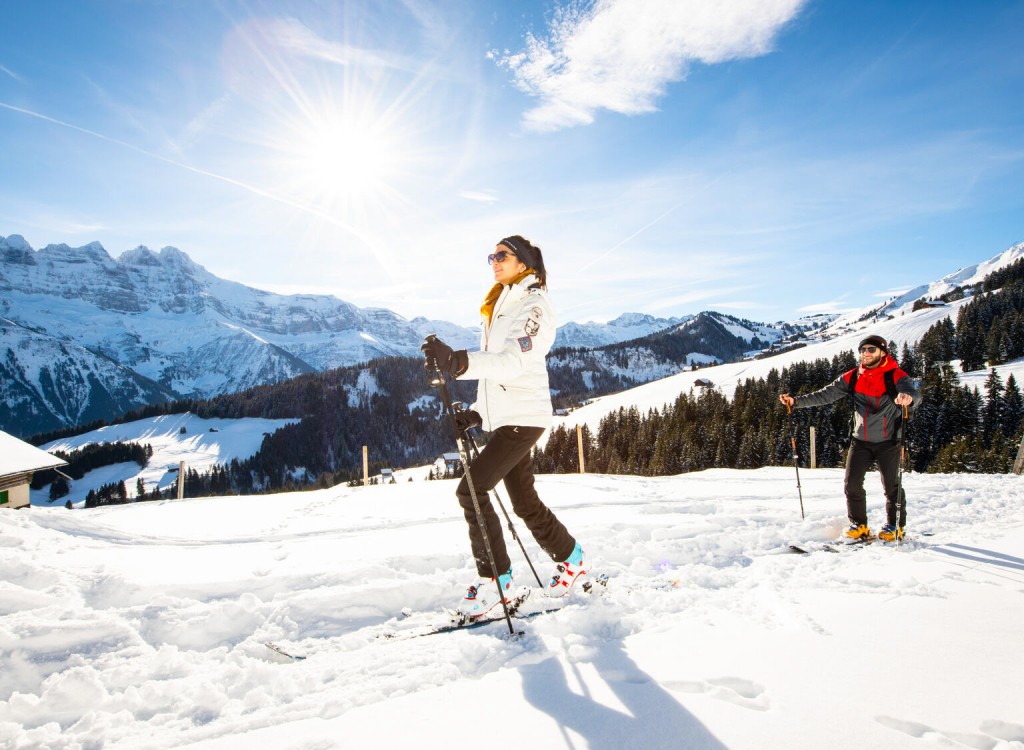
x: 18, y: 457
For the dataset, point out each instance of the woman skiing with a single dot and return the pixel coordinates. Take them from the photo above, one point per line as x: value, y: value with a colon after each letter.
x: 514, y: 403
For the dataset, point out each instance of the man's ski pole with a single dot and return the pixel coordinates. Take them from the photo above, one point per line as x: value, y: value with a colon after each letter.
x: 511, y: 528
x: 792, y: 442
x: 437, y: 380
x: 899, y: 474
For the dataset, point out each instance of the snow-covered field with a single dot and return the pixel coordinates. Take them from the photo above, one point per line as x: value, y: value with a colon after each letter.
x: 141, y: 626
x: 203, y: 444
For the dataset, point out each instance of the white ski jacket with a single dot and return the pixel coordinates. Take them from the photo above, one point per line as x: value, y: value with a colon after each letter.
x: 511, y: 365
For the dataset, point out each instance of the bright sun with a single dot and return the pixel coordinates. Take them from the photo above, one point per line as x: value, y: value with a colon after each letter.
x: 346, y: 158
x: 343, y: 162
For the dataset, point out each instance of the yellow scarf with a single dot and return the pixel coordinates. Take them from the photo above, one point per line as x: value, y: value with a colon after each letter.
x: 487, y: 308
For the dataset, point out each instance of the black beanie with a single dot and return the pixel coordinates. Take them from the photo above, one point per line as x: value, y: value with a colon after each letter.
x: 874, y: 341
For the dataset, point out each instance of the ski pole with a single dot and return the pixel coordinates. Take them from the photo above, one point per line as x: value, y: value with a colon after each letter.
x: 792, y: 441
x: 511, y: 528
x: 436, y: 379
x: 899, y: 474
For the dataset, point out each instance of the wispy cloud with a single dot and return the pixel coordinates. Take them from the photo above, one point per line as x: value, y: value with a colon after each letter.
x: 291, y: 36
x: 840, y: 305
x: 12, y: 74
x: 620, y: 54
x: 479, y: 196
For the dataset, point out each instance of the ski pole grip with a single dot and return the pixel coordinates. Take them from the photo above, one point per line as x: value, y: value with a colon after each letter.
x: 434, y: 376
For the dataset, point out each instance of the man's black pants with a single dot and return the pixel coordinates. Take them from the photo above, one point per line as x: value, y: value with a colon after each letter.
x: 858, y: 461
x: 507, y: 456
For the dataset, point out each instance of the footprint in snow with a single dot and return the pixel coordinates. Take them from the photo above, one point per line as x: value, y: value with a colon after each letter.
x: 730, y: 689
x: 993, y: 733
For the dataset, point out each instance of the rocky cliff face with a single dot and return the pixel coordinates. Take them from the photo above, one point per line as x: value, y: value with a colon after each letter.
x: 47, y: 383
x: 91, y: 325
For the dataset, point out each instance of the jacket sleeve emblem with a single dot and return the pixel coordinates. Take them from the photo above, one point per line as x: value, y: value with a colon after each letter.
x: 525, y: 343
x: 532, y: 326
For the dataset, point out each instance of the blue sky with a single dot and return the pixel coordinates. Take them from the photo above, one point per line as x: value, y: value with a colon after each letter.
x: 763, y: 158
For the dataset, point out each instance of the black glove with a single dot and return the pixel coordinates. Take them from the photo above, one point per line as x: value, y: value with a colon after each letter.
x: 441, y: 357
x: 467, y: 419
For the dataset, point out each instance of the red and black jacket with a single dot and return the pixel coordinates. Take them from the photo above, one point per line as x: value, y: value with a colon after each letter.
x: 876, y: 417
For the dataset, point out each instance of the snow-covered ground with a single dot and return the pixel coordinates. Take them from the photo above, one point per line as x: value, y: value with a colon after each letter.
x: 141, y: 626
x: 203, y: 444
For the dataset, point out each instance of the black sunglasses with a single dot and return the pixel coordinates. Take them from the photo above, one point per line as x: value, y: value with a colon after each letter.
x: 500, y: 256
x: 868, y: 349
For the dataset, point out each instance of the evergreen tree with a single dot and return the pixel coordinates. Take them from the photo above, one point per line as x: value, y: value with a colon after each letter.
x: 909, y: 362
x: 1013, y: 409
x: 59, y: 488
x: 996, y: 343
x: 992, y: 417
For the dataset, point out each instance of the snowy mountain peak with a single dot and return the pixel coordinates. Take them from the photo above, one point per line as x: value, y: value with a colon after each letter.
x: 631, y: 325
x: 62, y: 252
x: 139, y: 256
x: 173, y: 328
x: 15, y: 242
x: 633, y: 319
x: 903, y: 303
x: 172, y: 256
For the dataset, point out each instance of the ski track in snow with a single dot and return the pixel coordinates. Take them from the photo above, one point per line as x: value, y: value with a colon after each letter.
x: 142, y: 625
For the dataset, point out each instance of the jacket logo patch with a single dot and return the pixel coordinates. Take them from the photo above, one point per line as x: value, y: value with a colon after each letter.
x: 525, y: 343
x: 532, y: 326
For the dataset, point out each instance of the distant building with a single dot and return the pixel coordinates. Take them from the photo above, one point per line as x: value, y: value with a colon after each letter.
x: 703, y: 383
x: 18, y: 462
x: 387, y: 476
x: 448, y: 463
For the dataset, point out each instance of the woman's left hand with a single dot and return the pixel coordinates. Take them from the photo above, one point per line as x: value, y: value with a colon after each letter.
x: 441, y: 357
x: 438, y: 354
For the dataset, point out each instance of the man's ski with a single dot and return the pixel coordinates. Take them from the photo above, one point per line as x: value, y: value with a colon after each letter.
x: 834, y: 546
x: 839, y: 544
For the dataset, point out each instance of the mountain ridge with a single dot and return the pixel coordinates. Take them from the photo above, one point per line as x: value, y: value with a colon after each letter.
x: 154, y: 326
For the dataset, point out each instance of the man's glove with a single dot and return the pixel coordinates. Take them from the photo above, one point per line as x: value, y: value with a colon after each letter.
x: 466, y: 419
x: 441, y: 357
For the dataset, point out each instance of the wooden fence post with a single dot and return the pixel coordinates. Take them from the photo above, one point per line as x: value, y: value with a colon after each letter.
x: 366, y: 467
x: 181, y: 480
x: 814, y: 454
x: 579, y: 444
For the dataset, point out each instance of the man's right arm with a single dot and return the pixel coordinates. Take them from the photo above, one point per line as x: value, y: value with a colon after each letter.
x: 837, y: 389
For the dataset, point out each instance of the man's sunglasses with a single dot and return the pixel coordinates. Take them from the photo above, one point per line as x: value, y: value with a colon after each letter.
x: 868, y: 349
x: 499, y: 256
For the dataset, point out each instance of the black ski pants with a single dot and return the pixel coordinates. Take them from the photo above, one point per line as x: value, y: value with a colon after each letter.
x: 507, y: 456
x: 858, y: 460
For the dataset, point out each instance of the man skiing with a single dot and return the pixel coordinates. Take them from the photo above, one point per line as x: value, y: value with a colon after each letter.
x: 880, y: 391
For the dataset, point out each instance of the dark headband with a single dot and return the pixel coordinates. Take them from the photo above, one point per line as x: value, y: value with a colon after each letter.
x: 510, y: 243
